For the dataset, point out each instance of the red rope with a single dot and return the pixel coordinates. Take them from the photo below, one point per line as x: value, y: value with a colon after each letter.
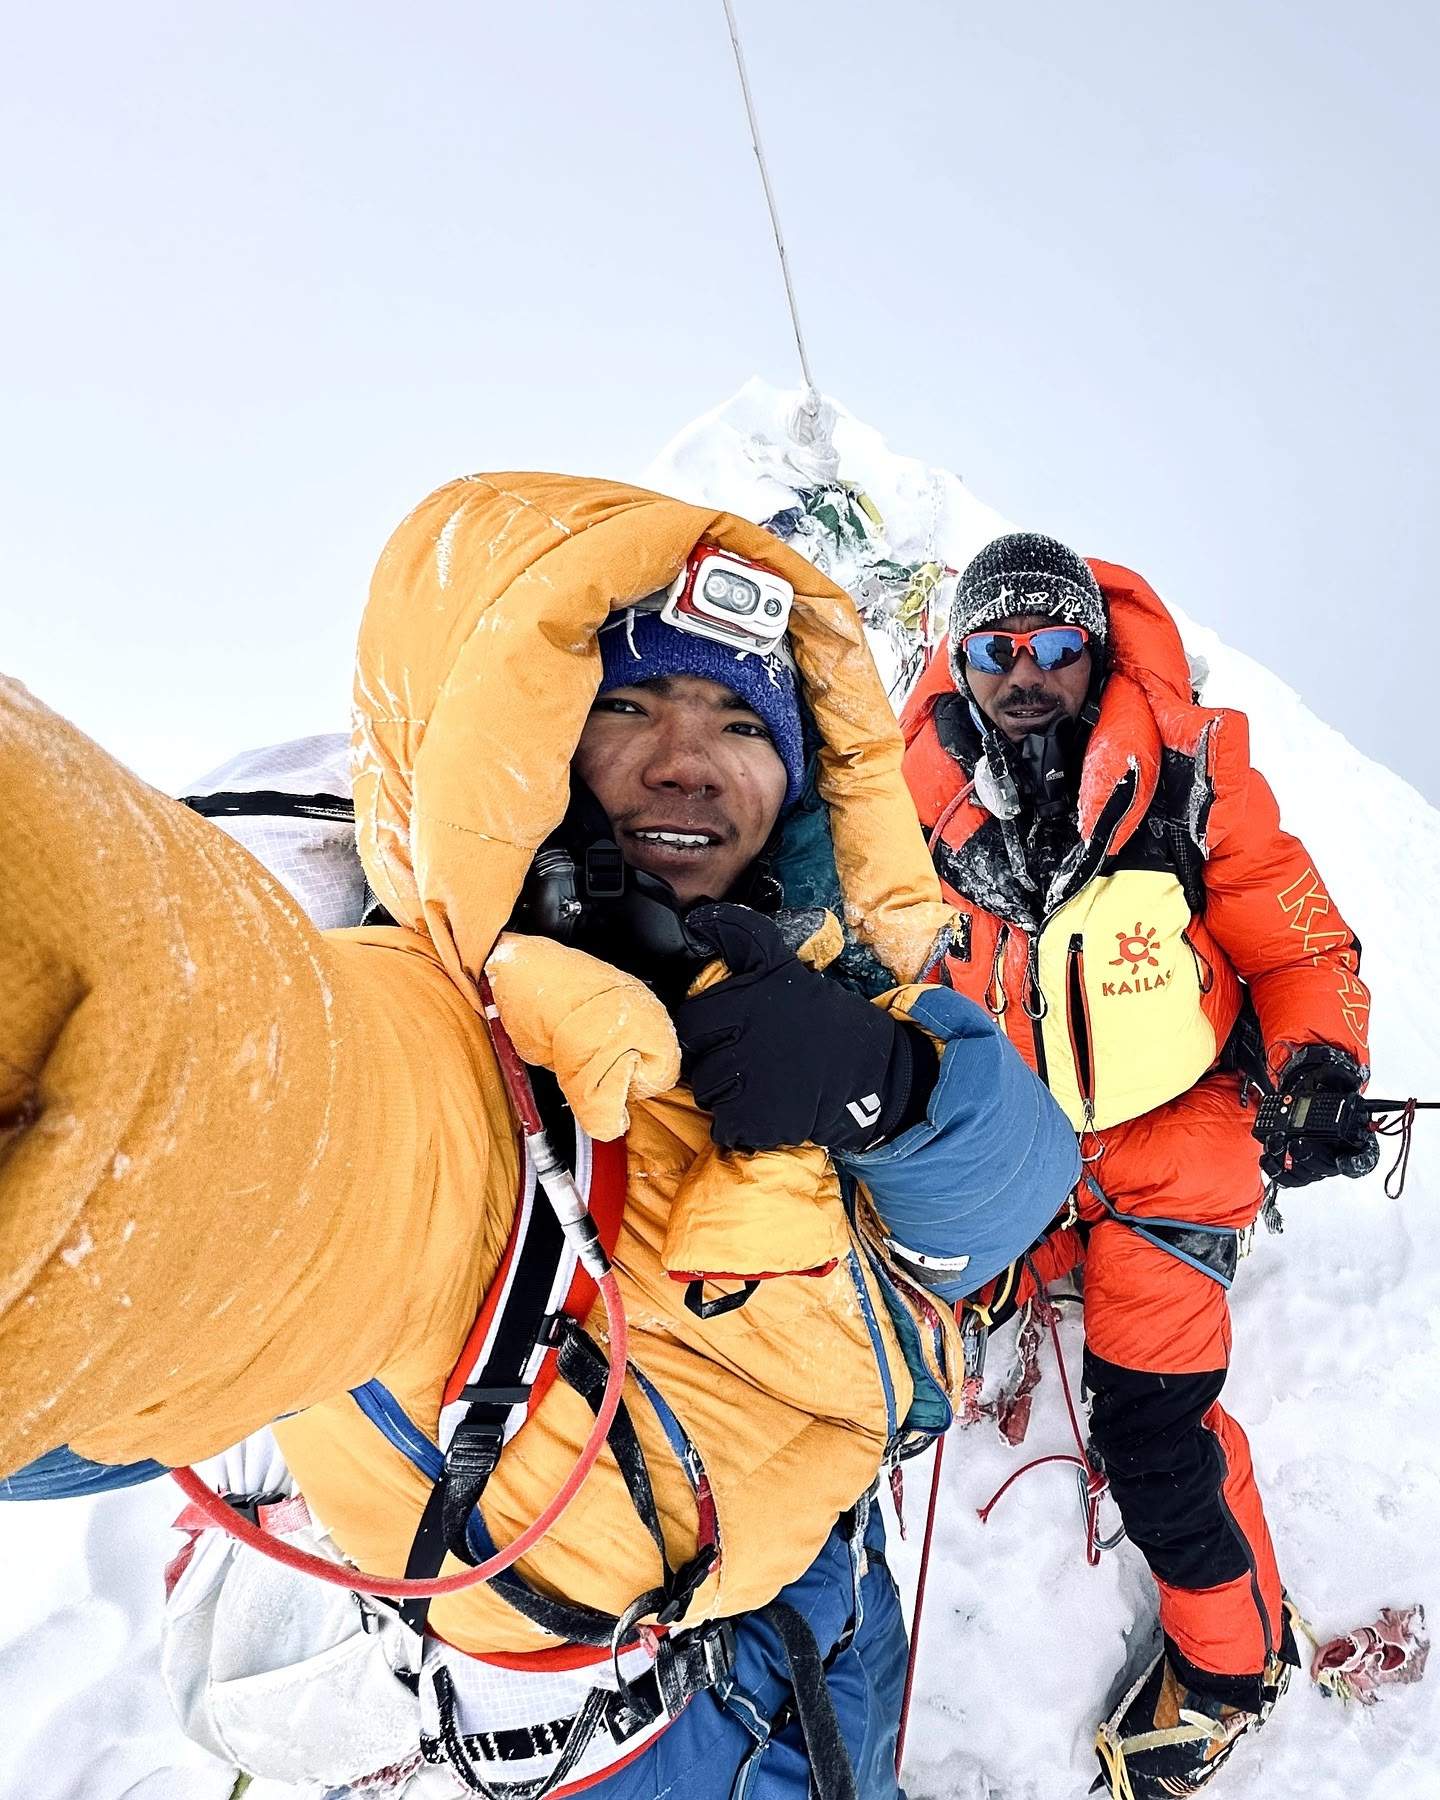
x: 919, y: 1606
x: 1095, y: 1486
x: 1052, y: 1320
x: 1056, y: 1456
x: 356, y: 1581
x: 1095, y: 1482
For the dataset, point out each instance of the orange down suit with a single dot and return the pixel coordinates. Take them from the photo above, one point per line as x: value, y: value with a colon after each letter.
x: 1183, y: 906
x: 246, y: 1166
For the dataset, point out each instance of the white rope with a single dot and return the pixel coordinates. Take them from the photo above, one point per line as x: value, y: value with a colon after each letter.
x: 812, y: 394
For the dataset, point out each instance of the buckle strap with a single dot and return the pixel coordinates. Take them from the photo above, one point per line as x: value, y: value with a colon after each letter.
x: 692, y: 1661
x: 832, y: 1775
x: 682, y: 1586
x: 470, y: 1461
x: 582, y: 1364
x: 570, y: 1620
x: 685, y: 1665
x: 450, y: 1520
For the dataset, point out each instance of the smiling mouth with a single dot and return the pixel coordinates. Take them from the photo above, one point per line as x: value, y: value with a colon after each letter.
x: 671, y: 844
x: 672, y: 839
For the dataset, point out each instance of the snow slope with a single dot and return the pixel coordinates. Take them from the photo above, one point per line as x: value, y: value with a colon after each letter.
x: 1337, y: 1357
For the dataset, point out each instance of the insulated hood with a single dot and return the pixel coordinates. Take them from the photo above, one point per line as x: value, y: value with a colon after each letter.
x: 476, y: 668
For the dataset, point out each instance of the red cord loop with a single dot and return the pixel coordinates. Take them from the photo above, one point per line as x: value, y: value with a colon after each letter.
x: 1401, y: 1125
x: 388, y: 1587
x: 952, y: 806
x: 1092, y: 1482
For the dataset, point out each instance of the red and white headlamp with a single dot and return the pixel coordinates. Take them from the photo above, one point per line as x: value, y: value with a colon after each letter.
x: 735, y: 602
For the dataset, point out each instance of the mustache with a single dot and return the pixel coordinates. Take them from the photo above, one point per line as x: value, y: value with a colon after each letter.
x: 1030, y: 696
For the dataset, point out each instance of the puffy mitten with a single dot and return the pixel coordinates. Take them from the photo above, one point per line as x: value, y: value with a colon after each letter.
x: 601, y: 1032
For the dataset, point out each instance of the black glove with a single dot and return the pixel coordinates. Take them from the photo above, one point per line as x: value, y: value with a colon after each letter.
x: 780, y: 1056
x: 1337, y: 1139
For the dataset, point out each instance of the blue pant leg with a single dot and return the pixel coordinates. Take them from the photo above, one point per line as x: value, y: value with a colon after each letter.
x: 868, y: 1680
x: 720, y: 1748
x: 62, y: 1475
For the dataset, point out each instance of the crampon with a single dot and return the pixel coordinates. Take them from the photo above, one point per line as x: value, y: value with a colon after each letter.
x: 1165, y: 1741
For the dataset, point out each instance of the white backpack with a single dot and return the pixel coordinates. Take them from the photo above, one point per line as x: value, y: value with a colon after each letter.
x: 290, y: 806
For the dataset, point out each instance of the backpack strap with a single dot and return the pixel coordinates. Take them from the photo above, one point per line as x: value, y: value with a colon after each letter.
x: 513, y: 1350
x: 270, y: 803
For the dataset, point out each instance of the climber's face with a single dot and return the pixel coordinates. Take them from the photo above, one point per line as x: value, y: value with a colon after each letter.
x: 689, y: 778
x: 1027, y: 697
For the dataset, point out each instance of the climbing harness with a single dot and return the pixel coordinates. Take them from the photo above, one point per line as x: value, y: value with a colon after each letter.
x: 583, y: 1238
x: 617, y: 1681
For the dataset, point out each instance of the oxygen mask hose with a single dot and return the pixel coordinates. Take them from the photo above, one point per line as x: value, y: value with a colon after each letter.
x: 566, y: 1200
x: 580, y: 1232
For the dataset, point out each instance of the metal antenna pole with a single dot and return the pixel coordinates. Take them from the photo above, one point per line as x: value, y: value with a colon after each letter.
x: 812, y: 393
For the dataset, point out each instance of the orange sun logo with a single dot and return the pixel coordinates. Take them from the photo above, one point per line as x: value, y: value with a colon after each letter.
x: 1135, y: 947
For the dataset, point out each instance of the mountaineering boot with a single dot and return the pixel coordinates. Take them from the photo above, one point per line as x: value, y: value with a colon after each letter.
x: 1165, y: 1740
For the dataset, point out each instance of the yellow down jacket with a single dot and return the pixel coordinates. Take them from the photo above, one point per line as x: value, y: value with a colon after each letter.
x: 247, y: 1167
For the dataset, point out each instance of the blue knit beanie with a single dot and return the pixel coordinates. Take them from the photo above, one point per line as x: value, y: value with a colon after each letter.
x: 639, y: 646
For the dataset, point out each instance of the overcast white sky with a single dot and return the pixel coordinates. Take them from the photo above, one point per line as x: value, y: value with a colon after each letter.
x: 1159, y: 279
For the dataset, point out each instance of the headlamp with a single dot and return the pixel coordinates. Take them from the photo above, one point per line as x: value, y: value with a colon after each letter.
x: 732, y: 601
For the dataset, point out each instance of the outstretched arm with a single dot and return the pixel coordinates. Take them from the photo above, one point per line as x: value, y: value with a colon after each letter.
x: 232, y: 1150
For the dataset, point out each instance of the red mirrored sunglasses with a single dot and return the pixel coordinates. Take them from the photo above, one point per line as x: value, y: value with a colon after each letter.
x: 1052, y: 646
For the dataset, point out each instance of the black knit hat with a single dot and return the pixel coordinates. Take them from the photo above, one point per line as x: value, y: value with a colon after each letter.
x: 1025, y: 573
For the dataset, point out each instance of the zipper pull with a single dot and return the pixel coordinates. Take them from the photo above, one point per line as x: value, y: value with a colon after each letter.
x: 1087, y: 1130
